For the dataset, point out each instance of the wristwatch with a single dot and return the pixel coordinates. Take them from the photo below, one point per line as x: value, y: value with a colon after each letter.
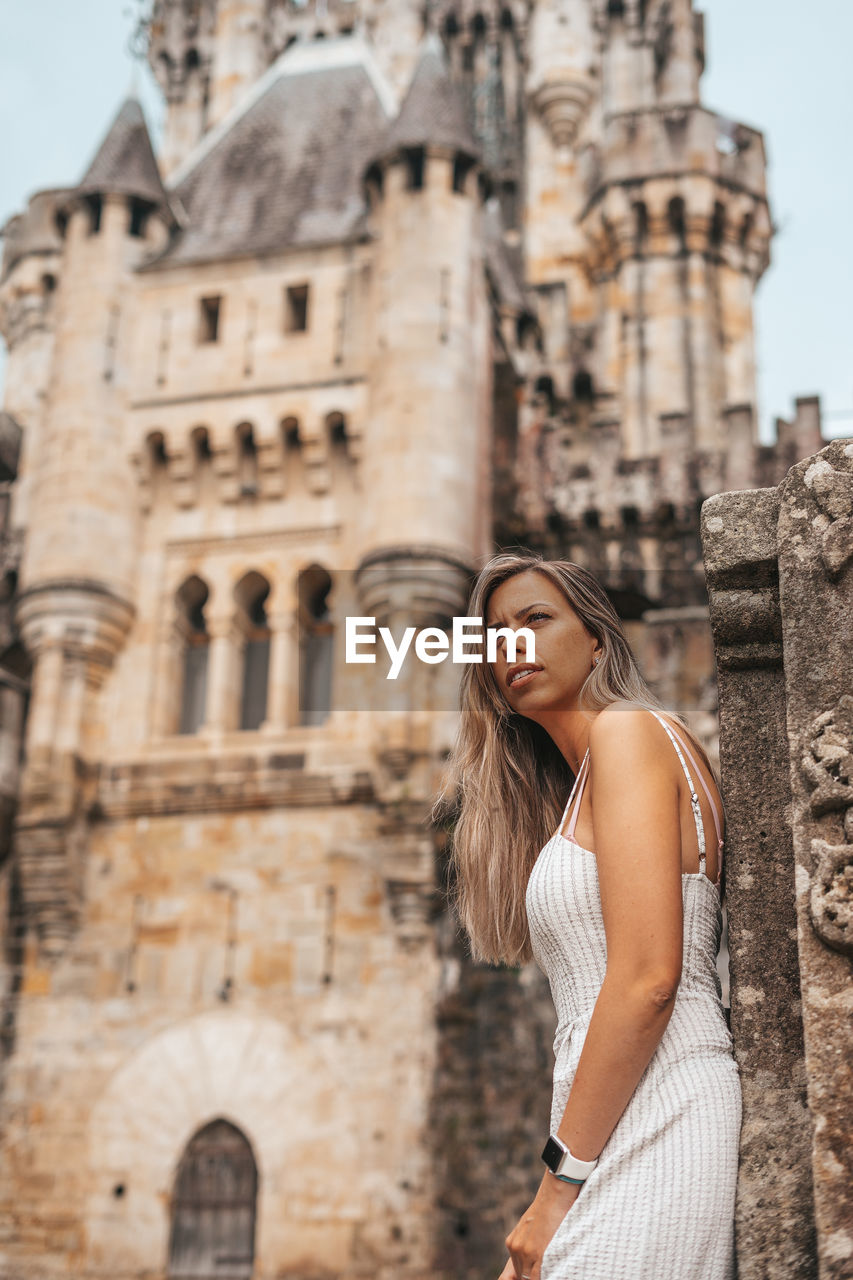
x: 563, y: 1164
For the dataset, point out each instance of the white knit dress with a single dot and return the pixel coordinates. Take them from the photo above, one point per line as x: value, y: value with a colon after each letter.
x: 660, y: 1203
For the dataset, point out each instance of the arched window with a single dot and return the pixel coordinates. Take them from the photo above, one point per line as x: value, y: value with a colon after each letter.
x: 248, y: 460
x: 138, y: 212
x: 678, y: 221
x: 415, y: 158
x: 641, y: 226
x: 582, y: 386
x: 158, y: 460
x: 316, y: 640
x: 213, y: 1207
x: 528, y: 333
x: 718, y: 225
x: 191, y: 598
x: 291, y: 442
x: 95, y: 207
x: 251, y: 595
x: 339, y: 441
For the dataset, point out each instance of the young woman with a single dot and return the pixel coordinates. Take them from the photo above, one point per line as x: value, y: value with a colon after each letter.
x: 620, y: 908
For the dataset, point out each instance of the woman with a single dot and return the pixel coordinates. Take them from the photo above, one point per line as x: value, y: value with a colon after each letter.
x: 620, y: 908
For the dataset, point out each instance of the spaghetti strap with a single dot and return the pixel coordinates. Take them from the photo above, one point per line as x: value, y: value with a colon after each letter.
x: 678, y: 743
x: 584, y: 770
x: 694, y: 799
x: 581, y: 770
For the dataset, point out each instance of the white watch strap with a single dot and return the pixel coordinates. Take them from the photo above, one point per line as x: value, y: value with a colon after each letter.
x: 571, y: 1167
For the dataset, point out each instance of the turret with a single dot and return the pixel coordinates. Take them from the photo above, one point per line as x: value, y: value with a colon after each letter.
x: 207, y: 56
x: 426, y: 454
x: 562, y: 66
x: 180, y: 52
x: 238, y: 57
x: 678, y: 229
x: 29, y: 280
x: 653, y: 53
x: 79, y: 564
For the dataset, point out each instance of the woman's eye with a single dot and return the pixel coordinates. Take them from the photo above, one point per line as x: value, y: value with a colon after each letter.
x: 531, y: 616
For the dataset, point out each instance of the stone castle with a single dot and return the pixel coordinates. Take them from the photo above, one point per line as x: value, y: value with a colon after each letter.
x: 408, y: 283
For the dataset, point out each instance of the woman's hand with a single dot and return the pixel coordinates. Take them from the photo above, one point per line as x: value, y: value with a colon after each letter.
x: 535, y: 1229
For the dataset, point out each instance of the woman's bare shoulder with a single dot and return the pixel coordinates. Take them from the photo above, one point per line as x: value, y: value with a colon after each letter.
x: 619, y: 718
x: 628, y: 737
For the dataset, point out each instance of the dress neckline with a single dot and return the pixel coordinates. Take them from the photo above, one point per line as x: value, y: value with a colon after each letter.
x: 685, y: 875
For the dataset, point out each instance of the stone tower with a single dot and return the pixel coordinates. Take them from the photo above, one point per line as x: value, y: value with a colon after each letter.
x: 408, y: 282
x: 427, y: 437
x: 77, y: 578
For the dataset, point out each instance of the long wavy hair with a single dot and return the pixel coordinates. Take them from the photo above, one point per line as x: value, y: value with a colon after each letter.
x: 506, y: 782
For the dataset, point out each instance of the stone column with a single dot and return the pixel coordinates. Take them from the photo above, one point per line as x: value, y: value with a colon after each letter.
x: 779, y: 567
x: 282, y: 692
x: 72, y: 706
x: 168, y: 675
x: 47, y: 676
x: 219, y: 716
x: 815, y: 553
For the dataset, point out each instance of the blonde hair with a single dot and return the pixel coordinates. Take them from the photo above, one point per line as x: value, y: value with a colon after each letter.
x: 506, y: 782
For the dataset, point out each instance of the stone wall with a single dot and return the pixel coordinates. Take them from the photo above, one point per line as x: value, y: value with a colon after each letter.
x: 247, y: 965
x: 779, y: 565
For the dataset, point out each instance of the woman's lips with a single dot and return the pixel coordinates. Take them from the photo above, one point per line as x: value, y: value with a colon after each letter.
x: 523, y: 679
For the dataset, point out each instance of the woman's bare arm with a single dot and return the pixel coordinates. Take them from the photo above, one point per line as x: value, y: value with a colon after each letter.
x: 638, y: 853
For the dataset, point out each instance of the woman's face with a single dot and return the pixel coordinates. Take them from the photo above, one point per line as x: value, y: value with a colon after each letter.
x: 562, y: 653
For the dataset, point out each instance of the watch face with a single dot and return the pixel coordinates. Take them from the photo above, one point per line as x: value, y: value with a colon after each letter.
x: 553, y: 1153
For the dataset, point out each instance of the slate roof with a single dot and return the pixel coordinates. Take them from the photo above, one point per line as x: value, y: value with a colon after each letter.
x: 125, y: 163
x: 433, y: 111
x: 287, y: 171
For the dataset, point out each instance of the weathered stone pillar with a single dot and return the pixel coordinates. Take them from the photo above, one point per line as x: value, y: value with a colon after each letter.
x: 779, y: 566
x: 222, y: 673
x: 282, y: 690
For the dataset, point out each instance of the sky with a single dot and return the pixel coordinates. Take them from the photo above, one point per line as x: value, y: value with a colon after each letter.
x: 778, y: 65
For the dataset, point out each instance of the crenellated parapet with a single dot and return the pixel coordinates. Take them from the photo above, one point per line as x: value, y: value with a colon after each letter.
x: 576, y: 483
x: 265, y: 461
x: 29, y: 276
x: 664, y: 182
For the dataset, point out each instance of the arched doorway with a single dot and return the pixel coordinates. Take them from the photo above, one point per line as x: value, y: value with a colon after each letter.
x: 213, y: 1207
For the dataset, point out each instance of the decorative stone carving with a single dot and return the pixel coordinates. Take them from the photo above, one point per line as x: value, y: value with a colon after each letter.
x: 831, y: 901
x: 562, y: 104
x: 780, y: 604
x: 828, y: 763
x: 833, y: 492
x: 828, y: 766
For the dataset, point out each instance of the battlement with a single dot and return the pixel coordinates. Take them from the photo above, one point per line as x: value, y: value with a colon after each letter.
x: 196, y: 466
x: 576, y: 484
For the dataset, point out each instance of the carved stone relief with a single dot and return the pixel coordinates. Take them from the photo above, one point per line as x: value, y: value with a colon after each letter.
x: 828, y: 766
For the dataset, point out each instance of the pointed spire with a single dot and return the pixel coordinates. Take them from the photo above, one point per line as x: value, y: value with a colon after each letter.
x: 433, y: 112
x: 125, y: 162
